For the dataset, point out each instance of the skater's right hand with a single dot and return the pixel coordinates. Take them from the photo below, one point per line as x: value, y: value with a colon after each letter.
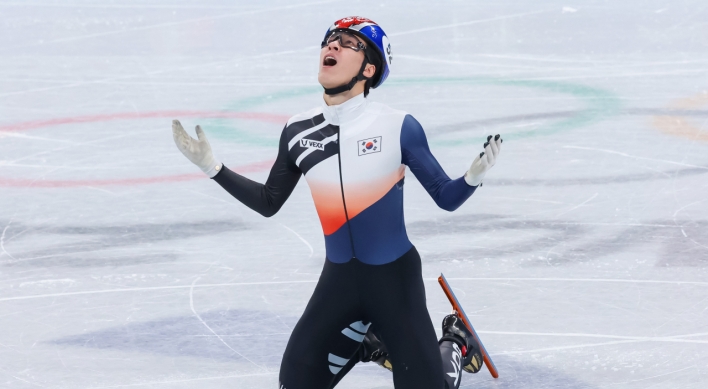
x: 484, y: 161
x: 197, y: 151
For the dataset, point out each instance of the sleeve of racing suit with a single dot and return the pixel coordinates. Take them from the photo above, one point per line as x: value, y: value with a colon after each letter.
x: 415, y: 153
x: 267, y: 198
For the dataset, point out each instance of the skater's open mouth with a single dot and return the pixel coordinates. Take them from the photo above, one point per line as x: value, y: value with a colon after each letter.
x: 329, y: 61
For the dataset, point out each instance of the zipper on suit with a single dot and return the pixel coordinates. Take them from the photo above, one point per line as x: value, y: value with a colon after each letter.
x: 341, y: 185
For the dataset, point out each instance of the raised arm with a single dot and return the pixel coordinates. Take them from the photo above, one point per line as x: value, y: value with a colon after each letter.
x: 265, y: 199
x: 448, y: 194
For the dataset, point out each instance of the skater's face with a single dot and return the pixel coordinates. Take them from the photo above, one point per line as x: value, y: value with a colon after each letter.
x: 340, y: 60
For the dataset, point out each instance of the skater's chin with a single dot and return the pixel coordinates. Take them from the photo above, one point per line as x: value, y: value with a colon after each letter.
x: 330, y: 82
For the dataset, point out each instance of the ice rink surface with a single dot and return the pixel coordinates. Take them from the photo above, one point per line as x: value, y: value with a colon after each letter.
x: 582, y: 261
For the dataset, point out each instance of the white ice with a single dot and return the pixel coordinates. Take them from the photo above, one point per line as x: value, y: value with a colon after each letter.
x: 582, y: 261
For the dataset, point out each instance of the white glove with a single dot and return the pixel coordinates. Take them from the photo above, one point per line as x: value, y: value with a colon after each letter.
x: 484, y: 161
x: 197, y: 151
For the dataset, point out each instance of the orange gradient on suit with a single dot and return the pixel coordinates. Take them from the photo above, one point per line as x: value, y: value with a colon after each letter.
x: 359, y: 196
x: 330, y: 207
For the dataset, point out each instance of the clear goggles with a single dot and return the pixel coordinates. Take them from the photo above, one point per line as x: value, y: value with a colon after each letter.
x: 348, y: 40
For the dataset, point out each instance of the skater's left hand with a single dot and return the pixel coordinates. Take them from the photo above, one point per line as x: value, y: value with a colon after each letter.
x: 484, y: 161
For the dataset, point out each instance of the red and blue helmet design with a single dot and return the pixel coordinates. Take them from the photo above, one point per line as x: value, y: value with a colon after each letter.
x: 374, y: 36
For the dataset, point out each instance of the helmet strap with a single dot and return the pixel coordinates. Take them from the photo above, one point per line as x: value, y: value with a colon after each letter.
x: 343, y: 88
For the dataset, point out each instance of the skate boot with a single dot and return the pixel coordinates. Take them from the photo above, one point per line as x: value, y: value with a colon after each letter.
x: 456, y: 331
x: 373, y: 350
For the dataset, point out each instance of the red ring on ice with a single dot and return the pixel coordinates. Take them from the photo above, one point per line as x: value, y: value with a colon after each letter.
x: 252, y: 167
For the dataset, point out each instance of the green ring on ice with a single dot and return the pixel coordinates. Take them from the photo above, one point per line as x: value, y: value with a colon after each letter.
x: 600, y: 104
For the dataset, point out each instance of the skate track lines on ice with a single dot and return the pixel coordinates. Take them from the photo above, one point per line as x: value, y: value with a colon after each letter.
x: 194, y: 311
x: 182, y: 381
x: 637, y: 157
x: 231, y: 284
x: 303, y: 240
x: 2, y: 241
x: 17, y: 127
x: 691, y: 169
x: 170, y: 24
x: 604, y: 75
x: 469, y: 23
x: 153, y: 73
x: 252, y: 57
x: 618, y: 338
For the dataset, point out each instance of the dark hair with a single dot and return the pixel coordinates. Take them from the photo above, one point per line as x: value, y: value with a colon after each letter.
x: 373, y: 57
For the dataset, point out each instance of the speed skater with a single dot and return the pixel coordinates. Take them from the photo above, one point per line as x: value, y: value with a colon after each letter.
x: 369, y: 303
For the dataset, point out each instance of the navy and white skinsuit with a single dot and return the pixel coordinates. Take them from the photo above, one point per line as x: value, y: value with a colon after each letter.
x: 353, y: 157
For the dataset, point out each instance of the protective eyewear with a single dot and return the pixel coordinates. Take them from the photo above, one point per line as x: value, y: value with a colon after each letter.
x: 345, y: 40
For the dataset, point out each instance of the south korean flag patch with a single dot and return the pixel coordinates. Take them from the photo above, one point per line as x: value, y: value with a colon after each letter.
x: 369, y: 146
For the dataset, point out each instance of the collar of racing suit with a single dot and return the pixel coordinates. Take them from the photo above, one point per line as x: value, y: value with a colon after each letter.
x: 345, y: 112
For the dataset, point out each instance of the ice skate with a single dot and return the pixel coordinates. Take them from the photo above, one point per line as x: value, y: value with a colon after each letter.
x: 373, y: 350
x: 455, y: 330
